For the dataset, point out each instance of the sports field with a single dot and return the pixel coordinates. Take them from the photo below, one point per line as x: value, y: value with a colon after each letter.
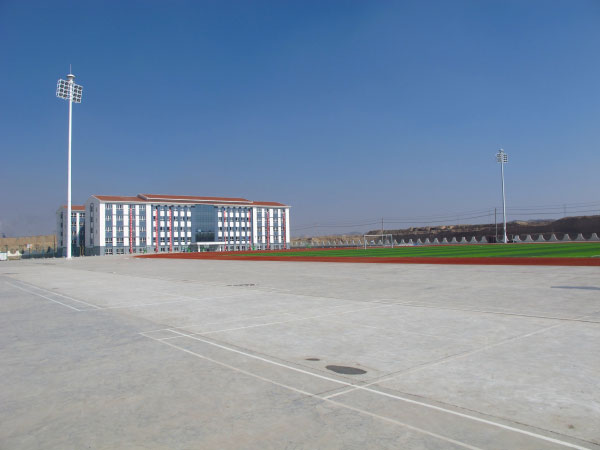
x: 551, y: 250
x: 550, y: 254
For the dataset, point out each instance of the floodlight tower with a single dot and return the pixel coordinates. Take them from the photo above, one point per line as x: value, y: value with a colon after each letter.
x: 502, y: 158
x: 71, y: 92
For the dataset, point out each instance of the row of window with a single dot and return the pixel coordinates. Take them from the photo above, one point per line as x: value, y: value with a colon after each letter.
x: 119, y: 240
x: 120, y: 218
x: 110, y: 229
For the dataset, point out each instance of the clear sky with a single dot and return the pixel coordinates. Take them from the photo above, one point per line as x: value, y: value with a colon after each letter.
x: 348, y: 111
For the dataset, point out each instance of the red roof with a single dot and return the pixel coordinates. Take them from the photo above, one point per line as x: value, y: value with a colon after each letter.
x: 192, y: 198
x: 118, y: 198
x: 75, y: 207
x: 268, y: 204
x: 144, y: 198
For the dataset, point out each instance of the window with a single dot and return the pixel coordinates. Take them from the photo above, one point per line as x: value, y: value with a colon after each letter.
x: 120, y: 229
x: 142, y: 229
x: 108, y: 251
x: 119, y: 240
x: 109, y: 229
x: 108, y: 218
x: 108, y: 240
x: 119, y: 206
x: 109, y: 206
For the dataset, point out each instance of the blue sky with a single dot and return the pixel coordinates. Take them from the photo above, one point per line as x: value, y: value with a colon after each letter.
x: 348, y: 111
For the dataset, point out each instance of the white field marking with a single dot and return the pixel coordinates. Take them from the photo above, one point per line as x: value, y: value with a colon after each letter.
x: 43, y: 296
x: 57, y: 293
x: 397, y: 397
x: 147, y: 333
x: 291, y: 320
x: 501, y: 313
x: 300, y: 391
x: 260, y: 358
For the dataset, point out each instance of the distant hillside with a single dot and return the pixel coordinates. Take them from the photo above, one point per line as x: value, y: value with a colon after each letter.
x: 41, y: 243
x: 571, y: 225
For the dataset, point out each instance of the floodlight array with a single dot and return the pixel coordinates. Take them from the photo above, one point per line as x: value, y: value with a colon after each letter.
x: 63, y: 90
x: 502, y: 157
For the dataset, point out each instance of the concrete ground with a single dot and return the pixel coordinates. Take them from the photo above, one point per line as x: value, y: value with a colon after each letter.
x: 115, y: 352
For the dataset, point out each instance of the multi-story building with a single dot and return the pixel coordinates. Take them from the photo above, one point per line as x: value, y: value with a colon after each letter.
x: 150, y: 223
x: 76, y: 232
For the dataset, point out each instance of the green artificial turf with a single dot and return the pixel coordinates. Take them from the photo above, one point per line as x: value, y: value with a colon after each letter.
x: 549, y: 250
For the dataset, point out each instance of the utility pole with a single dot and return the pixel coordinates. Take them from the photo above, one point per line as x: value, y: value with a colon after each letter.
x: 71, y: 92
x: 502, y: 158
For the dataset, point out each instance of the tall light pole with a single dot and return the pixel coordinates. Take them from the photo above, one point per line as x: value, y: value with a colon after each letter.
x: 71, y: 92
x: 502, y: 158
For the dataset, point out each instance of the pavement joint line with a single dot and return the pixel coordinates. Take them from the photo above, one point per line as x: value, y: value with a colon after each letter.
x: 367, y: 389
x: 56, y: 293
x: 308, y: 394
x: 400, y: 331
x: 450, y: 358
x: 183, y: 297
x: 47, y: 298
x: 145, y: 304
x: 504, y: 313
x: 287, y: 321
x: 217, y: 323
x: 187, y: 327
x: 241, y: 294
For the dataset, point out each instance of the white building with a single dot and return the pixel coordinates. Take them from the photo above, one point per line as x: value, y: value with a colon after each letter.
x: 149, y: 223
x: 77, y: 231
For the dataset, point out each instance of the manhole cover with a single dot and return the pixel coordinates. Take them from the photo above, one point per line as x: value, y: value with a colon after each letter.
x: 346, y: 370
x: 313, y: 359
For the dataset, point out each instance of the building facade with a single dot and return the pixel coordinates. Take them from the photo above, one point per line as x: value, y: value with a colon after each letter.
x: 76, y: 231
x: 149, y: 223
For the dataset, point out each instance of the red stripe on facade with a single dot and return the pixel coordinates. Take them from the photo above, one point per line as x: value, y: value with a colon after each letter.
x: 156, y: 228
x: 171, y: 230
x: 131, y: 208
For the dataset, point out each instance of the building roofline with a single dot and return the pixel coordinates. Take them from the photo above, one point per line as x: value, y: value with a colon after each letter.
x: 186, y: 199
x: 192, y: 198
x: 73, y: 207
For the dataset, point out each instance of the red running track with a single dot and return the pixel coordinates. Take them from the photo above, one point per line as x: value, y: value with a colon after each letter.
x: 273, y: 256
